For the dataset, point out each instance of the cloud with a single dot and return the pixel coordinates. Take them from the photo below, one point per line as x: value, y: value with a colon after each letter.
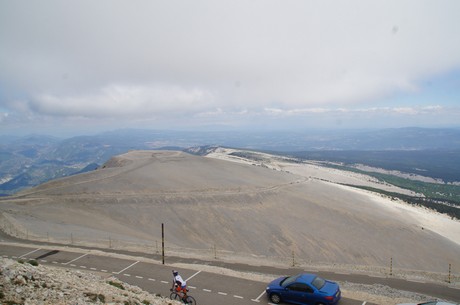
x: 125, y: 101
x: 206, y: 58
x: 404, y: 110
x: 3, y: 116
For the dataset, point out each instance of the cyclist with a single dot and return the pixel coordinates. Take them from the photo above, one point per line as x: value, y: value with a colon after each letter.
x: 180, y: 284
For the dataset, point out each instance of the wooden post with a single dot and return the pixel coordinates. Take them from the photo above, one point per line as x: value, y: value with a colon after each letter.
x: 450, y: 269
x: 163, y: 243
x: 391, y: 266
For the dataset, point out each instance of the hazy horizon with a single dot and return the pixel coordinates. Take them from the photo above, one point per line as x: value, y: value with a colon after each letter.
x: 216, y: 131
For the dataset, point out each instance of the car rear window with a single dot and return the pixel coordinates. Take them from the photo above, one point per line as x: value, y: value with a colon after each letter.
x: 288, y: 280
x: 318, y: 282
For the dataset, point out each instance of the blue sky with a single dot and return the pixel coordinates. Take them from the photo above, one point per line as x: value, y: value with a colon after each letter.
x: 79, y: 67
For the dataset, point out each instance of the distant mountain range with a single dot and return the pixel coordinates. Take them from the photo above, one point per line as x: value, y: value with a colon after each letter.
x: 31, y: 160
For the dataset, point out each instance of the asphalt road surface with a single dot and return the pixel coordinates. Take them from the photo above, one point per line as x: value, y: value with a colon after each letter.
x: 207, y: 288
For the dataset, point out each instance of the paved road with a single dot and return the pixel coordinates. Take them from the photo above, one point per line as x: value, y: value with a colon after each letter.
x: 207, y: 288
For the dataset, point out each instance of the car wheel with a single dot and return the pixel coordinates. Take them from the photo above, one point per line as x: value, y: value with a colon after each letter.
x: 275, y: 298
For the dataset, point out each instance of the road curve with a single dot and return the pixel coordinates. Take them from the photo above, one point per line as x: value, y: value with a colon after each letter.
x: 147, y: 272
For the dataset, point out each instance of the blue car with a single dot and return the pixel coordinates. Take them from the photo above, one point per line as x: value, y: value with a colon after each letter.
x: 304, y: 288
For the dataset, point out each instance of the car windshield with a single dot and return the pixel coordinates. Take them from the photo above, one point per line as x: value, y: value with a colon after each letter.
x: 288, y: 280
x: 318, y: 282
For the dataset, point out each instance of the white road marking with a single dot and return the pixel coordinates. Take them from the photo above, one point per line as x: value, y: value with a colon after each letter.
x: 415, y: 281
x: 139, y: 277
x: 258, y: 298
x: 127, y: 267
x: 75, y: 259
x: 29, y: 253
x: 150, y: 279
x: 192, y: 276
x: 126, y: 274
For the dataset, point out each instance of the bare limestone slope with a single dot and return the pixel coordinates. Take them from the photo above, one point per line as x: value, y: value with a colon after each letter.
x: 236, y: 207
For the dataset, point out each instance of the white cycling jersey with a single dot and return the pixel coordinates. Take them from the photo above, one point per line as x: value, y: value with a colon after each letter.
x: 179, y: 279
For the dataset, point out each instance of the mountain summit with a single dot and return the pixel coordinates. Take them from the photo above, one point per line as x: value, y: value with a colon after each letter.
x: 244, y: 209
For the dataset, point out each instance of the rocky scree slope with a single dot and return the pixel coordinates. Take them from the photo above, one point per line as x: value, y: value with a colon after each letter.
x: 26, y: 284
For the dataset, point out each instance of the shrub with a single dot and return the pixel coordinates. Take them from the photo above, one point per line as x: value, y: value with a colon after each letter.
x: 115, y: 284
x: 12, y: 303
x: 94, y: 297
x: 33, y: 262
x: 101, y: 298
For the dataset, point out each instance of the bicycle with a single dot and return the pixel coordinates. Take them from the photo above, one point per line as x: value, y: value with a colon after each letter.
x: 179, y: 296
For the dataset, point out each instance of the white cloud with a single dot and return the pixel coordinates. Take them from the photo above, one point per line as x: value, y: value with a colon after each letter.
x: 237, y: 58
x: 433, y: 108
x: 121, y: 101
x: 405, y: 110
x: 3, y: 116
x: 212, y: 113
x: 356, y: 111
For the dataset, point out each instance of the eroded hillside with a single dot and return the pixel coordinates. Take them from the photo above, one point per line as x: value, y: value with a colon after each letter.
x: 240, y: 208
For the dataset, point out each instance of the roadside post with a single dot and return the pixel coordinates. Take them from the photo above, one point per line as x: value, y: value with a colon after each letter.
x: 163, y: 243
x: 391, y: 266
x: 450, y: 270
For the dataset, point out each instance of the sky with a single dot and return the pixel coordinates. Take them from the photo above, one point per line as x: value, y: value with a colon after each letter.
x: 81, y: 67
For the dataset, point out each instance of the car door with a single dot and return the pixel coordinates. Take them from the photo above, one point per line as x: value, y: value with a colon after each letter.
x: 299, y: 293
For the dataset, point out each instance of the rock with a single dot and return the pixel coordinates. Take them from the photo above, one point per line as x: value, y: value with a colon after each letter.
x: 25, y: 284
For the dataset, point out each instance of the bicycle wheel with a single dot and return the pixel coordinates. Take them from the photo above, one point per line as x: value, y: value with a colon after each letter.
x: 174, y: 296
x: 190, y: 300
